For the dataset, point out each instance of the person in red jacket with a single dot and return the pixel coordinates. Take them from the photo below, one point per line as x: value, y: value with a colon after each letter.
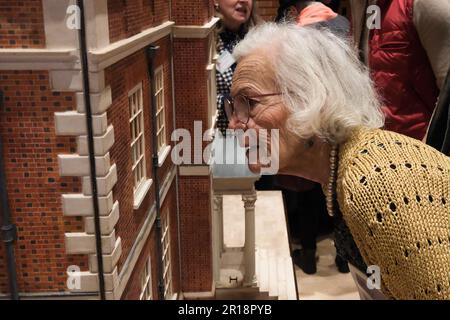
x: 406, y: 45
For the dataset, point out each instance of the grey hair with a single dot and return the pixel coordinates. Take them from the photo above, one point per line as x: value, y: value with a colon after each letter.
x: 327, y: 91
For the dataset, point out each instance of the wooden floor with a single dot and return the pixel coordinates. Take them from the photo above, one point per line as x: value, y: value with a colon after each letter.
x: 327, y: 283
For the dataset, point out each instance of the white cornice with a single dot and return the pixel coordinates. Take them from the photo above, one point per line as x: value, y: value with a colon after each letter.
x: 102, y: 58
x: 99, y: 59
x: 195, y: 31
x: 39, y: 59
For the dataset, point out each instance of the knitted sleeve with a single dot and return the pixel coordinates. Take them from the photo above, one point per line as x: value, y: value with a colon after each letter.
x: 394, y: 194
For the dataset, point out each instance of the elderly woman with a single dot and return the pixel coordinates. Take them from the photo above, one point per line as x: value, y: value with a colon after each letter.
x: 305, y: 201
x: 392, y: 191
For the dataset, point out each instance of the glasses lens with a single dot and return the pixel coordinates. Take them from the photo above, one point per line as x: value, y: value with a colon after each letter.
x: 228, y: 105
x: 241, y: 106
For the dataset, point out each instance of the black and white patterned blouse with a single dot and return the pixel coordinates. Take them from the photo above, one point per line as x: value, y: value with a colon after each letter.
x: 227, y: 40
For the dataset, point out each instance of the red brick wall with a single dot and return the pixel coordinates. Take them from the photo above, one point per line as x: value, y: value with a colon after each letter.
x: 195, y: 224
x: 129, y: 17
x: 192, y: 12
x: 190, y: 61
x: 122, y: 77
x: 33, y: 181
x: 21, y: 24
x: 267, y: 9
x: 195, y: 227
x: 133, y: 288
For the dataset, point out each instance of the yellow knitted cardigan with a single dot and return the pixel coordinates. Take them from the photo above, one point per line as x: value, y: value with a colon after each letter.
x: 394, y: 195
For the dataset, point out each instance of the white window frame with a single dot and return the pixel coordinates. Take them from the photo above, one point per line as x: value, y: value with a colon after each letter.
x: 146, y: 281
x: 141, y: 183
x: 161, y: 136
x: 166, y: 256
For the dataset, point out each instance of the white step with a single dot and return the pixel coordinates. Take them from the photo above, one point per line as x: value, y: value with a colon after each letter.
x: 273, y: 275
x: 281, y: 273
x: 263, y: 271
x: 290, y: 279
x: 257, y: 264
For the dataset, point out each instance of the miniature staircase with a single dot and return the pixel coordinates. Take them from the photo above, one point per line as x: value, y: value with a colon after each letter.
x: 275, y: 278
x: 275, y: 275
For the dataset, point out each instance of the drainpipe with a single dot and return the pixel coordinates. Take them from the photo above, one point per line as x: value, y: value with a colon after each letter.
x: 151, y: 53
x: 93, y: 173
x: 175, y: 126
x: 9, y: 232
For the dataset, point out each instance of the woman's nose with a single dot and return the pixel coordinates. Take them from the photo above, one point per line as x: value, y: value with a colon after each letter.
x: 232, y: 122
x: 236, y: 124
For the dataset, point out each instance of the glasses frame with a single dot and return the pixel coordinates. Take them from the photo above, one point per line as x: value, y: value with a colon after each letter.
x: 245, y: 118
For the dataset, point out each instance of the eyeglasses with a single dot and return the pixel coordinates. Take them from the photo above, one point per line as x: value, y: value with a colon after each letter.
x: 240, y: 105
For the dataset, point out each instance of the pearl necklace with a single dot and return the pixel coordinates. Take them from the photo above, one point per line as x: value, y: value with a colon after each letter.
x: 330, y: 194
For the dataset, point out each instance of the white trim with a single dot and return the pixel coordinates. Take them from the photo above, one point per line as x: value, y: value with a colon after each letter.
x: 100, y: 102
x: 89, y: 281
x: 104, y: 184
x: 135, y: 89
x: 107, y: 223
x: 141, y: 192
x: 83, y: 243
x: 195, y: 31
x: 79, y: 166
x: 102, y: 58
x: 109, y: 260
x: 102, y: 144
x: 147, y: 281
x: 39, y: 59
x: 72, y: 123
x: 137, y: 145
x: 162, y: 155
x: 97, y: 26
x: 160, y: 108
x: 77, y: 204
x: 59, y: 33
x: 167, y: 253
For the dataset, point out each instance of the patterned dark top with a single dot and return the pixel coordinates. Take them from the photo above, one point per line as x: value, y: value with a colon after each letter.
x: 227, y: 41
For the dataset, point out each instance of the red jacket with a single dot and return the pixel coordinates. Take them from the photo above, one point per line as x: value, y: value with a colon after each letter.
x: 401, y: 70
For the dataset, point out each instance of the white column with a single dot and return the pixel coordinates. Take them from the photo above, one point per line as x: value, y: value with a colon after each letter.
x: 249, y: 246
x: 217, y: 235
x: 219, y: 201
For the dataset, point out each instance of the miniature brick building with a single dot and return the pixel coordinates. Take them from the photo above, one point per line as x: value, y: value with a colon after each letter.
x: 46, y: 156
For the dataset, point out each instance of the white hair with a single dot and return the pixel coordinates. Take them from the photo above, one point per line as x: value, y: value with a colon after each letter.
x: 327, y: 91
